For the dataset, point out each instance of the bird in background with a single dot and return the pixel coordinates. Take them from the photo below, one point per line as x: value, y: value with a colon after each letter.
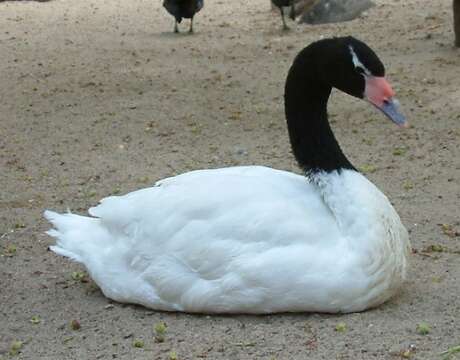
x: 281, y: 4
x: 183, y: 9
x: 298, y: 7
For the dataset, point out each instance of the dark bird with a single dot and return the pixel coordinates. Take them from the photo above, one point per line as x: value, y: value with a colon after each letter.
x: 183, y: 9
x: 281, y: 4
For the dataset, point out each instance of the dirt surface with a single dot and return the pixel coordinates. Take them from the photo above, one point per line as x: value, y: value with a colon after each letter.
x: 99, y: 97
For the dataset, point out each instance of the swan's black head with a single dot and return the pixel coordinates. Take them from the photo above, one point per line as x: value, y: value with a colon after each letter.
x: 348, y: 65
x: 345, y: 62
x: 351, y: 66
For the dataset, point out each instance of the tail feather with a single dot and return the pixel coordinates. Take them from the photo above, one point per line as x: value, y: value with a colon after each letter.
x: 63, y: 252
x: 103, y: 251
x: 64, y: 222
x: 74, y: 235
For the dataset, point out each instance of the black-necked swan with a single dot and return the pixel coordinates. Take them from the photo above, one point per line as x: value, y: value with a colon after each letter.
x: 253, y: 239
x: 183, y: 9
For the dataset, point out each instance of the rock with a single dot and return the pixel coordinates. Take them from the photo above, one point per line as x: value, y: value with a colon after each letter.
x: 329, y: 11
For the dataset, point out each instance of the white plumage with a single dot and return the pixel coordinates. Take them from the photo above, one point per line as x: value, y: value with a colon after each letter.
x: 242, y: 239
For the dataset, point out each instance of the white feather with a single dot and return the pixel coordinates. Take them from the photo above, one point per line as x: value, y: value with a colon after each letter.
x: 242, y: 240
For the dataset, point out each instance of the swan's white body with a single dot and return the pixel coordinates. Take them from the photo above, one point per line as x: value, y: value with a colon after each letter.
x: 243, y: 240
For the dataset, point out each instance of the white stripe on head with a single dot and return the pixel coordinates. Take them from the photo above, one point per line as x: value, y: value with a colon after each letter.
x: 357, y: 62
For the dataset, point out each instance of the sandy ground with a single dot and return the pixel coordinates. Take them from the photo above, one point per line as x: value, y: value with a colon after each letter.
x: 98, y: 97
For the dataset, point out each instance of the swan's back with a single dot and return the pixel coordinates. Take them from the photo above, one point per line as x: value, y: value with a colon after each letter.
x: 215, y: 201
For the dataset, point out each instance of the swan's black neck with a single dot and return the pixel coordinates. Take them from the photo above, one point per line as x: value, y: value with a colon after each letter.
x: 306, y: 95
